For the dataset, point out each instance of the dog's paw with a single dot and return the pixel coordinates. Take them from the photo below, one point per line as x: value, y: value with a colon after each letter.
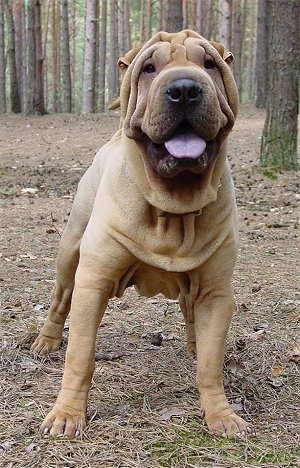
x: 69, y: 423
x: 44, y: 345
x: 228, y: 425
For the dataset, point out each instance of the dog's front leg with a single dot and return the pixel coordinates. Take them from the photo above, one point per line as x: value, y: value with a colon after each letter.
x: 213, y: 312
x: 69, y: 412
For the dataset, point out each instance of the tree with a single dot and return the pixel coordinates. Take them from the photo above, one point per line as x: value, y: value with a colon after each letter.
x: 15, y: 101
x: 35, y: 77
x: 66, y: 60
x: 19, y: 20
x: 102, y: 57
x: 279, y: 139
x: 174, y: 16
x: 262, y: 54
x: 113, y: 81
x: 88, y: 103
x: 225, y: 24
x: 2, y: 62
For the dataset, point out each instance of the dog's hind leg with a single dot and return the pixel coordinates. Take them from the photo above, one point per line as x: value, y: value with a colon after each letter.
x: 50, y: 336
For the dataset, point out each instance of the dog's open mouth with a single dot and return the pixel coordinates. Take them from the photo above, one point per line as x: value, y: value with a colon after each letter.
x: 183, y: 151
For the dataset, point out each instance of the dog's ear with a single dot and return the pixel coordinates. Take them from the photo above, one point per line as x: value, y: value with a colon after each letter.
x: 225, y: 54
x: 124, y: 62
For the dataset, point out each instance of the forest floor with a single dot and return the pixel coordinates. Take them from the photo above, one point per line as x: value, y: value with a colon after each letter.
x: 143, y: 406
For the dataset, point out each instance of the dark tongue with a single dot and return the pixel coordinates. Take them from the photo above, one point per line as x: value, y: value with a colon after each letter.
x: 186, y: 145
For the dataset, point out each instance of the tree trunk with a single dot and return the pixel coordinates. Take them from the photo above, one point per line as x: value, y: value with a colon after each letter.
x: 237, y: 34
x: 262, y: 60
x: 252, y: 54
x: 279, y: 139
x: 127, y: 28
x: 73, y: 45
x: 55, y: 55
x: 39, y: 105
x: 18, y: 14
x: 2, y: 63
x: 207, y: 11
x: 88, y: 104
x: 148, y: 19
x: 35, y: 81
x: 15, y: 101
x: 174, y: 16
x: 142, y: 22
x: 66, y: 60
x: 113, y: 79
x: 102, y: 58
x: 225, y: 24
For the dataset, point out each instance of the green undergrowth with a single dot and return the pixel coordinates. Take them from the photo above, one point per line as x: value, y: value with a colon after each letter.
x: 185, y: 445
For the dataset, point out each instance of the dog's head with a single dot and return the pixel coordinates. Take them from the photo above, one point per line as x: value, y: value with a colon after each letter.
x: 178, y: 103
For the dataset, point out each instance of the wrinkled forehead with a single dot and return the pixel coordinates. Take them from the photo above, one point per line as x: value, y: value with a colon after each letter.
x: 180, y: 53
x: 190, y: 50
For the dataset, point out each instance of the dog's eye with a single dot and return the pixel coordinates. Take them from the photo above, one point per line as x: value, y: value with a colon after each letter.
x: 209, y: 64
x: 149, y: 68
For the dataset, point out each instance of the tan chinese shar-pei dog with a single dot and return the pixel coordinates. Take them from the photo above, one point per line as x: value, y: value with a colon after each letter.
x: 157, y: 210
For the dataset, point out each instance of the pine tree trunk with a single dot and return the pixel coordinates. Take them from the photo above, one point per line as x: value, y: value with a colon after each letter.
x: 55, y: 76
x: 88, y: 104
x: 73, y: 45
x: 237, y: 41
x: 279, y: 140
x: 39, y: 105
x: 2, y: 63
x: 30, y: 57
x: 113, y: 80
x: 174, y: 16
x: 262, y: 54
x: 18, y: 14
x: 102, y: 56
x: 225, y: 23
x: 252, y: 54
x: 207, y: 18
x: 15, y: 101
x: 148, y: 19
x: 127, y: 28
x: 66, y: 60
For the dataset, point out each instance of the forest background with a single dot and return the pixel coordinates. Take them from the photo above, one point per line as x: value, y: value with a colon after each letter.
x: 61, y: 56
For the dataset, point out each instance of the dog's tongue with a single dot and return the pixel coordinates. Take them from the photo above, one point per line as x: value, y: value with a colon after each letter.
x: 186, y: 145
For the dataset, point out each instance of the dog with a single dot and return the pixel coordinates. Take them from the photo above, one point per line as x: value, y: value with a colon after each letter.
x: 156, y: 209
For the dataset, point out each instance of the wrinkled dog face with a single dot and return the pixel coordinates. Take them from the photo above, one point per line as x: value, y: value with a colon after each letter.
x: 178, y: 110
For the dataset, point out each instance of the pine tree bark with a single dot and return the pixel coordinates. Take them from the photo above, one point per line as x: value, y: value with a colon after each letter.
x: 88, y: 103
x: 113, y: 78
x: 237, y: 34
x: 174, y: 18
x: 279, y: 139
x: 262, y: 61
x: 15, y: 101
x: 2, y: 63
x: 102, y: 55
x: 225, y: 23
x: 18, y: 14
x: 66, y: 59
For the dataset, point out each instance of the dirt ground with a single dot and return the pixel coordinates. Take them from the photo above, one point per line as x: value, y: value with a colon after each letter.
x: 143, y: 407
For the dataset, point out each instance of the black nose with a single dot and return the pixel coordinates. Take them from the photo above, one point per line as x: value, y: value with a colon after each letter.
x: 184, y: 92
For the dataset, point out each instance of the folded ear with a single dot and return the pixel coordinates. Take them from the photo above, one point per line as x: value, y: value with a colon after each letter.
x: 124, y: 62
x: 225, y: 54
